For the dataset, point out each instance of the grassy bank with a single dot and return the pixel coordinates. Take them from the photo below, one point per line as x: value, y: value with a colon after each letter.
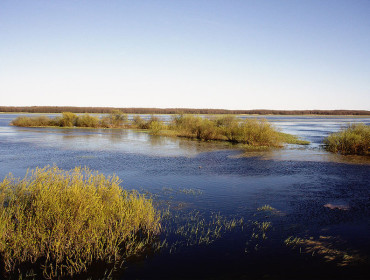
x: 250, y: 132
x: 352, y: 140
x: 64, y: 221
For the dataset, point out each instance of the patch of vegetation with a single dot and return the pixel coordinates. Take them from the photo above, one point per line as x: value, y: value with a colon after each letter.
x: 64, y: 221
x: 292, y: 139
x: 352, y: 140
x: 186, y: 229
x: 252, y: 133
x: 325, y: 247
x: 107, y: 110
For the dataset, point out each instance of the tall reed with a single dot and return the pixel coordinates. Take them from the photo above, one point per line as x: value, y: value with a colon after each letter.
x: 63, y: 221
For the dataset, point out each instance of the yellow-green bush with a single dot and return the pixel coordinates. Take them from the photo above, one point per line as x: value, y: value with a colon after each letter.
x: 66, y: 220
x: 68, y: 119
x: 354, y: 139
x: 155, y: 127
x: 87, y: 120
x: 32, y: 121
x: 250, y: 131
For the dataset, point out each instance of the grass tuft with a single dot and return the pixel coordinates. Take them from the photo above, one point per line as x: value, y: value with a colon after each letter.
x: 63, y: 221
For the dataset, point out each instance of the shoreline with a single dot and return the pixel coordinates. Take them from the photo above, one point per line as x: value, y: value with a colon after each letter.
x: 207, y: 114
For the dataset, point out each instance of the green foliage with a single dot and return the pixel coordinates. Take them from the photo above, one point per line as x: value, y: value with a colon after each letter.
x: 250, y: 131
x: 352, y: 140
x: 292, y: 139
x: 87, y: 120
x: 155, y: 127
x: 138, y: 122
x: 68, y: 119
x: 195, y: 127
x: 118, y: 118
x: 63, y: 221
x: 32, y: 121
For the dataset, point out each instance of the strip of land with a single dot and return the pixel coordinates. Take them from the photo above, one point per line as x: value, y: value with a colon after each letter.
x: 106, y: 110
x: 249, y: 132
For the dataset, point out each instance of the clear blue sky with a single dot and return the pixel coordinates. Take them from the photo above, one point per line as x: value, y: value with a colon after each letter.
x: 200, y: 54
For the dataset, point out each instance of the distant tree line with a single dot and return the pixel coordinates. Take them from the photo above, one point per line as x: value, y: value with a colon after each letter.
x: 107, y: 110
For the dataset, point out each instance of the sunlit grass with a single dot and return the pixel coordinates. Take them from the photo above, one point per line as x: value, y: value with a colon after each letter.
x: 352, y: 140
x: 63, y: 221
x: 325, y: 247
x: 251, y: 133
x: 292, y: 139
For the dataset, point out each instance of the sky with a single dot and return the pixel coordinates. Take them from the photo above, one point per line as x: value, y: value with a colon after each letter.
x: 278, y: 54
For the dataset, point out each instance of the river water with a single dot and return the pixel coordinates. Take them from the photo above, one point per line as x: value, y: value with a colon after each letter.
x: 316, y: 196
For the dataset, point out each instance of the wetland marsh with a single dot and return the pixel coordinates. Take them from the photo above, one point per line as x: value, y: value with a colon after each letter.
x: 296, y: 212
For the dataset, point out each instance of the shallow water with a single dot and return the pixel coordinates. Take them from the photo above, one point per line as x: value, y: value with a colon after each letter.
x: 298, y: 181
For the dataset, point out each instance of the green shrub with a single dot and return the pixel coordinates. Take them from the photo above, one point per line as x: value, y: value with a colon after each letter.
x: 68, y: 119
x: 354, y: 139
x: 138, y: 122
x: 87, y: 120
x: 63, y: 221
x: 250, y: 131
x: 117, y: 118
x: 155, y: 127
x: 195, y: 127
x: 32, y: 121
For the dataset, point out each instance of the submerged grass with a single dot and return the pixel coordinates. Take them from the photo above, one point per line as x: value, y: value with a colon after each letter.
x: 352, y: 140
x: 63, y: 221
x: 325, y: 247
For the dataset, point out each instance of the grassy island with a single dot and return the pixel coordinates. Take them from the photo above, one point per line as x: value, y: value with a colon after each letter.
x: 250, y: 132
x: 64, y: 221
x: 352, y: 140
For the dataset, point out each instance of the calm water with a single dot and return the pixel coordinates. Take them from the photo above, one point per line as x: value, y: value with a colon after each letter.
x: 314, y: 193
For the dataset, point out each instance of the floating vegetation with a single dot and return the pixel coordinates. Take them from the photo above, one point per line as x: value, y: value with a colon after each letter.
x: 270, y: 209
x: 332, y: 206
x: 266, y: 207
x: 187, y: 191
x: 61, y: 222
x: 325, y: 247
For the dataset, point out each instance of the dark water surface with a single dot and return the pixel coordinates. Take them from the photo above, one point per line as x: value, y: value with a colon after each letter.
x: 318, y: 197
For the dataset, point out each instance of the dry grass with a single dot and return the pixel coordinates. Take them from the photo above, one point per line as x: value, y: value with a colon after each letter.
x: 63, y: 221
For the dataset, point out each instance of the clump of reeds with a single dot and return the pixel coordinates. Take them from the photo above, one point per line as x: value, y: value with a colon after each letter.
x: 251, y: 132
x: 352, y: 140
x: 115, y: 119
x: 32, y: 121
x: 63, y: 221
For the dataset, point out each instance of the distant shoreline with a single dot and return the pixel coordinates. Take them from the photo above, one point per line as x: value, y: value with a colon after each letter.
x: 103, y: 110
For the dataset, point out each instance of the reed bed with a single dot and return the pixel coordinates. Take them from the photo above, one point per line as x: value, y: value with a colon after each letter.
x: 250, y: 132
x: 64, y: 221
x: 352, y: 140
x: 253, y: 133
